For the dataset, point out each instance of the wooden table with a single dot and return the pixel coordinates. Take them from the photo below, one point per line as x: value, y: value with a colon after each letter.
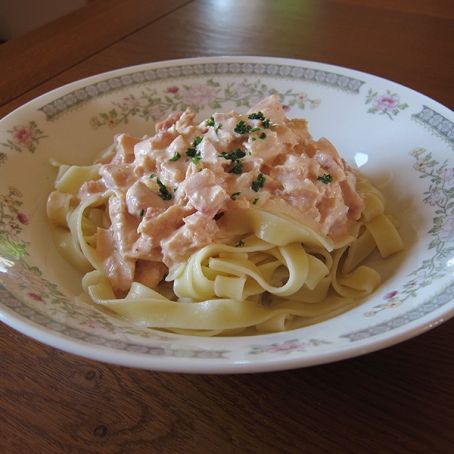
x: 397, y: 400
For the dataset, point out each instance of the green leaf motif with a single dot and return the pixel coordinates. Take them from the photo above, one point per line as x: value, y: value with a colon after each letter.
x: 11, y: 249
x: 154, y: 105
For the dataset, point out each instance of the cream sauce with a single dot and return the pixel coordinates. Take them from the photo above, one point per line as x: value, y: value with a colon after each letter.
x: 169, y: 189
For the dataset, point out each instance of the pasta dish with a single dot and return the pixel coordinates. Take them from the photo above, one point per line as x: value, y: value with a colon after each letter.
x: 241, y: 223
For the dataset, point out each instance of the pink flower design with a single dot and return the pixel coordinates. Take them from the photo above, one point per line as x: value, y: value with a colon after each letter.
x: 391, y: 295
x: 386, y: 102
x: 130, y: 102
x: 286, y: 347
x: 172, y: 89
x: 198, y: 94
x: 35, y: 297
x: 23, y: 136
x: 22, y: 218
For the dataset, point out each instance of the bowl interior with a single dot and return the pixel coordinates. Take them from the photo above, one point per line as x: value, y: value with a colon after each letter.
x: 394, y: 135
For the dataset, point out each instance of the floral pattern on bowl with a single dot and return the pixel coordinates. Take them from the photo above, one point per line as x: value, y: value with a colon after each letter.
x: 46, y: 303
x: 440, y: 196
x: 386, y: 104
x: 152, y: 104
x: 23, y: 138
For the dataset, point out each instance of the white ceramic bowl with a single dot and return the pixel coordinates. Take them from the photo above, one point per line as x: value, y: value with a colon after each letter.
x: 400, y: 139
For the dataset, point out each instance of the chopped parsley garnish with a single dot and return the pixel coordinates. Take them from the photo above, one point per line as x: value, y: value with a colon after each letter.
x: 239, y: 243
x: 176, y: 156
x: 237, y: 167
x: 256, y: 116
x: 210, y: 122
x: 233, y: 155
x: 163, y: 191
x: 260, y: 116
x: 218, y: 127
x: 242, y: 127
x: 142, y: 212
x: 196, y: 159
x: 262, y: 135
x: 326, y: 178
x: 193, y: 153
x: 235, y: 195
x: 255, y: 129
x: 255, y: 201
x: 152, y: 176
x: 258, y: 183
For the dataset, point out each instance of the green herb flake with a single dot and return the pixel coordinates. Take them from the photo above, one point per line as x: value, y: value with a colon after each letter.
x: 258, y: 183
x: 152, y: 176
x: 235, y: 195
x: 196, y: 159
x: 210, y: 122
x: 237, y: 167
x: 255, y: 129
x: 262, y: 135
x: 142, y: 212
x: 256, y: 116
x: 242, y: 127
x: 192, y: 152
x: 326, y: 178
x: 254, y: 202
x: 240, y: 244
x: 260, y: 116
x: 233, y: 155
x: 218, y: 127
x: 163, y: 191
x: 176, y: 156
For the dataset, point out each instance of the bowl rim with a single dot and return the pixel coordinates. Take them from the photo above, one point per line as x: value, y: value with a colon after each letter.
x: 199, y: 365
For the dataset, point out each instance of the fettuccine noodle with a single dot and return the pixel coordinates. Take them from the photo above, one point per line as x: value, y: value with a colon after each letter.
x: 239, y: 224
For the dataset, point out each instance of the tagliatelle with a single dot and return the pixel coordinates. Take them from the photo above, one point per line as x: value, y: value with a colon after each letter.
x: 239, y: 224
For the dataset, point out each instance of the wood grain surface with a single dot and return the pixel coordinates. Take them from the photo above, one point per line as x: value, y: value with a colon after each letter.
x: 399, y: 400
x: 61, y: 44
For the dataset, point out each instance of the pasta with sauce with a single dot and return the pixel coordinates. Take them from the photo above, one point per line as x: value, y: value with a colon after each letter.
x: 238, y: 224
